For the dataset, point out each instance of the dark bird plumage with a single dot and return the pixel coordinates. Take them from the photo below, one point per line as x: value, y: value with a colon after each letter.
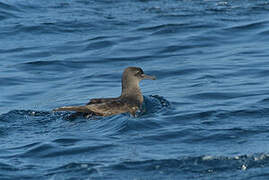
x: 130, y: 100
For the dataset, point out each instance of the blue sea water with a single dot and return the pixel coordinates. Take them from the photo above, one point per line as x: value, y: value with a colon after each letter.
x: 207, y: 114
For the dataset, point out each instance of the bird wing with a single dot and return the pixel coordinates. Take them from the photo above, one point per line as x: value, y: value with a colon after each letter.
x: 83, y: 109
x: 100, y: 100
x: 109, y: 107
x: 102, y: 109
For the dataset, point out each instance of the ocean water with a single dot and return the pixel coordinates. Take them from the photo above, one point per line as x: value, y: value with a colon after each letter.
x: 206, y: 116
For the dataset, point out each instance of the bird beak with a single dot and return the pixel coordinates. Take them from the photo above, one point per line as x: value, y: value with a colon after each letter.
x: 144, y: 76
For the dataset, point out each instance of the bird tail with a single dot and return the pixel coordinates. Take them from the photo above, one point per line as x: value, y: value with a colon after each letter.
x: 83, y: 109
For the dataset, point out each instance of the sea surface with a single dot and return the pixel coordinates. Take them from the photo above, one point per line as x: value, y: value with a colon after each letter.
x: 205, y: 117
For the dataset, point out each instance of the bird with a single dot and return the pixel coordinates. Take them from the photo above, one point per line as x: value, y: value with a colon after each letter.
x: 130, y: 101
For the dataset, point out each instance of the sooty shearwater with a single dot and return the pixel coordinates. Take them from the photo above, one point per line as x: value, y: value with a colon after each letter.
x: 130, y: 100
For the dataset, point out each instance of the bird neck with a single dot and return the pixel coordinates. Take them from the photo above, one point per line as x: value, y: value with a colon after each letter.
x: 131, y: 90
